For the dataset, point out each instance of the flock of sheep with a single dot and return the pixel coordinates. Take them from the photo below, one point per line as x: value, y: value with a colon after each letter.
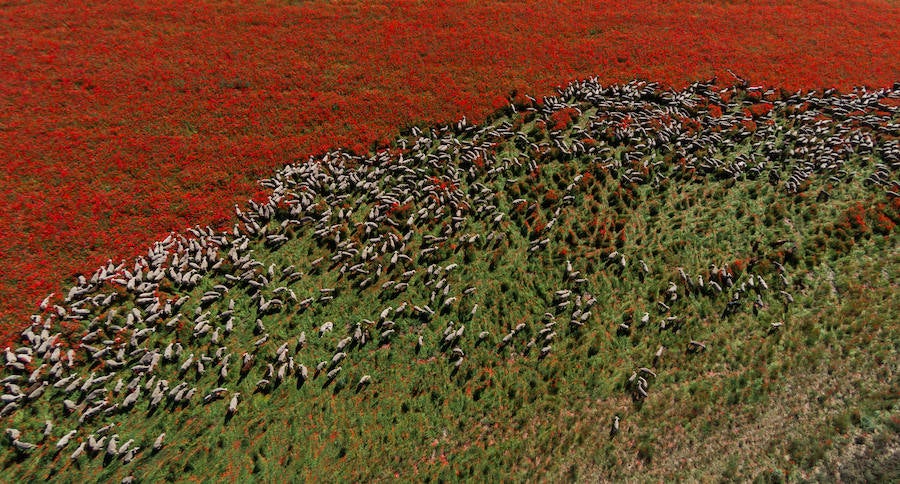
x: 186, y: 323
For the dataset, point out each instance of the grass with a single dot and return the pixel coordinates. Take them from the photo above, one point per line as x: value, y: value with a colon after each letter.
x: 757, y: 403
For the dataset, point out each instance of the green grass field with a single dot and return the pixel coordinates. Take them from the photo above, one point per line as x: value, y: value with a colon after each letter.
x: 561, y: 247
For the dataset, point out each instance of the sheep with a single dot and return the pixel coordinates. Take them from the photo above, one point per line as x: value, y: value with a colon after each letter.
x: 545, y: 351
x: 331, y: 375
x: 158, y: 443
x: 112, y: 446
x: 131, y: 398
x: 261, y: 341
x: 13, y: 433
x: 214, y: 394
x: 128, y: 457
x: 301, y: 341
x: 64, y: 440
x: 302, y: 373
x: 233, y: 404
x: 124, y: 447
x: 365, y: 380
x: 78, y: 451
x: 696, y: 347
x: 658, y: 355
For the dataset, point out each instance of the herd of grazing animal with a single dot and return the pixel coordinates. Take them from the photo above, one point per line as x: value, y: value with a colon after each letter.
x: 184, y: 324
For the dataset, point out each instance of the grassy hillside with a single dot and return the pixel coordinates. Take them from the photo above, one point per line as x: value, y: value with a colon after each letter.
x: 714, y: 269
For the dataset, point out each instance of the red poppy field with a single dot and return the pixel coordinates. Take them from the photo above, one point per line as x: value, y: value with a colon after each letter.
x: 120, y: 123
